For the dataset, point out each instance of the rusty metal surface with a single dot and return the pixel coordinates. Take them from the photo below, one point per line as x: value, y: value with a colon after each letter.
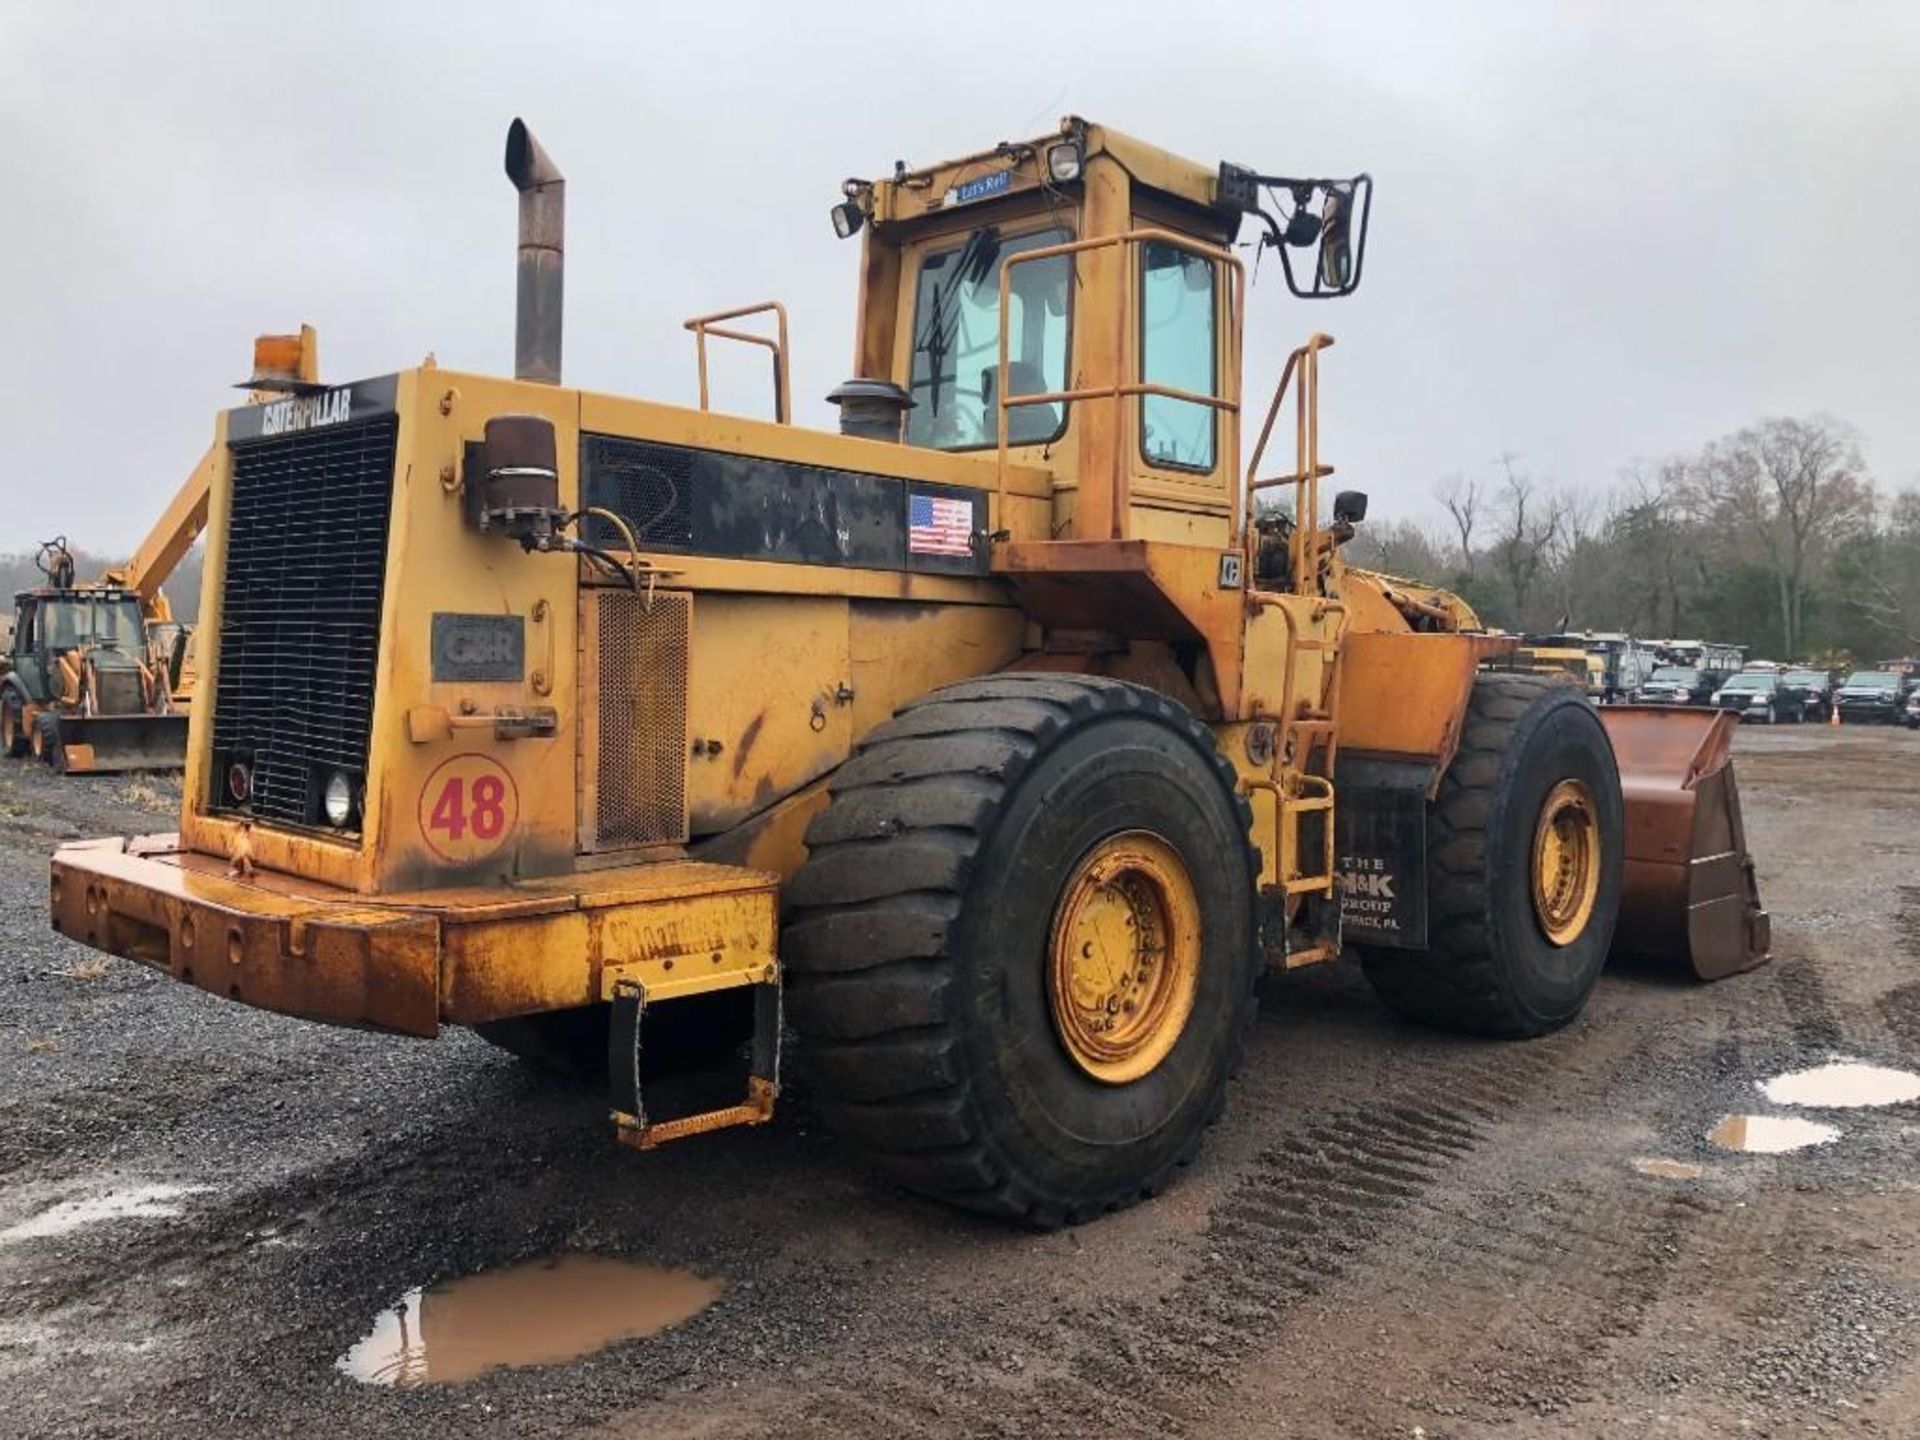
x: 343, y: 963
x: 411, y: 961
x: 1690, y: 896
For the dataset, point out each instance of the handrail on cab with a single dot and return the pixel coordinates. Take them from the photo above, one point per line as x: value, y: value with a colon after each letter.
x: 704, y: 325
x: 1302, y: 365
x: 1120, y: 390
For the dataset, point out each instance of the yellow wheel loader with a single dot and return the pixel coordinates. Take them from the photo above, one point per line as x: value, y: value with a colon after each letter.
x: 995, y: 743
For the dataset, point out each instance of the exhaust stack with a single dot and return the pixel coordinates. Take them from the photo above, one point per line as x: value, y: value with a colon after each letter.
x: 543, y: 213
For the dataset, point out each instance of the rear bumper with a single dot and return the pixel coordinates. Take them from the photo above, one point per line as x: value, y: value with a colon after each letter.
x: 409, y: 963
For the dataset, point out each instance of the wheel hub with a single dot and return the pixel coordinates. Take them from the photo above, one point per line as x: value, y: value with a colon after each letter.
x: 1566, y: 862
x: 1124, y: 957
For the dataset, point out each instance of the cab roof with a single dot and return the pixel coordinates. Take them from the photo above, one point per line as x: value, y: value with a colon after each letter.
x: 912, y: 194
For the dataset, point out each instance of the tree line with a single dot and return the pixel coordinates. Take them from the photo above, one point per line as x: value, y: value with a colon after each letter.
x: 1774, y: 537
x: 18, y: 572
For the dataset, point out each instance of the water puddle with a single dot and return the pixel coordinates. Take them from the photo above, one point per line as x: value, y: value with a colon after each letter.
x: 1661, y: 1169
x: 1843, y: 1085
x: 1769, y: 1134
x: 537, y: 1313
x: 136, y: 1202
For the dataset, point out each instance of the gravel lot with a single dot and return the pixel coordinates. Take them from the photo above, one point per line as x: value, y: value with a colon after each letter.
x: 1390, y: 1234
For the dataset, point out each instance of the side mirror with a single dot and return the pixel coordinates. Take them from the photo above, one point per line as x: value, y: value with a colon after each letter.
x: 1350, y: 506
x: 1332, y: 214
x: 1336, y: 242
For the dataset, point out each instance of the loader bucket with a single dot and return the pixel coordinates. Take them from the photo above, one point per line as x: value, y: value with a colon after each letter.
x: 1689, y: 897
x: 120, y: 742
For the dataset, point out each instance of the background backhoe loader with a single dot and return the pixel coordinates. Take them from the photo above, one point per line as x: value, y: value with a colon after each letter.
x: 101, y: 675
x: 993, y: 740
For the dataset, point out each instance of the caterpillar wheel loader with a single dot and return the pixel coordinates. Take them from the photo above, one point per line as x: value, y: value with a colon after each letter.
x: 995, y: 742
x: 100, y: 676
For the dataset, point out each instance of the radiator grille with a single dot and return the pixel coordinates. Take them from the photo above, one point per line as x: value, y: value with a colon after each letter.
x: 300, y: 614
x: 634, y: 748
x: 117, y: 689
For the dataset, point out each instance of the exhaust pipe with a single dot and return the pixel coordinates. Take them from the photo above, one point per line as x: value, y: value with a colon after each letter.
x: 543, y: 215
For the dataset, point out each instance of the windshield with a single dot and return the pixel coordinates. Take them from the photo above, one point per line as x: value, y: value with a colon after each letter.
x: 71, y: 623
x: 1750, y: 681
x: 1872, y: 680
x: 956, y: 342
x: 1803, y: 677
x: 1678, y: 674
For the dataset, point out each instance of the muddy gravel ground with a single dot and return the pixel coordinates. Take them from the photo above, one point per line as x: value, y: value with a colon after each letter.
x: 1391, y: 1233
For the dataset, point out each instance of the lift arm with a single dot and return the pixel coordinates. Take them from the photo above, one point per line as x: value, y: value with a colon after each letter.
x: 172, y: 536
x: 279, y: 362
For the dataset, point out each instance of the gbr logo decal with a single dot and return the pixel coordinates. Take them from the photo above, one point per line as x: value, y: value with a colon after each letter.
x: 469, y: 808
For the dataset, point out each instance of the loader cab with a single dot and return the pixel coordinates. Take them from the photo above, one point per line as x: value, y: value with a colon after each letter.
x: 1119, y: 374
x: 1072, y: 304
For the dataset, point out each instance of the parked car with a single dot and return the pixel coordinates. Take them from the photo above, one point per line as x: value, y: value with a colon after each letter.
x: 1756, y: 695
x: 1813, y: 689
x: 1677, y: 685
x: 1872, y: 697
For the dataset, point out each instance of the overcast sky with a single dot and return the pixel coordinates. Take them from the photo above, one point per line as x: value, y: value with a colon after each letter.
x: 1602, y: 230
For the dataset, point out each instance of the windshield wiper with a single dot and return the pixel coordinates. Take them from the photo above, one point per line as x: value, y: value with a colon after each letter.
x: 976, y: 257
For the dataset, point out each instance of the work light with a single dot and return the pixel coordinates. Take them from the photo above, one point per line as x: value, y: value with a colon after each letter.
x: 847, y: 219
x: 1063, y: 161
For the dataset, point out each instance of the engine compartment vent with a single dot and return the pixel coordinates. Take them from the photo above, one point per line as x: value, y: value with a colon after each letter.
x: 633, y: 719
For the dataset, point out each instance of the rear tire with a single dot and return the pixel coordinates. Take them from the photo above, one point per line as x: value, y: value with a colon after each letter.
x: 927, y: 932
x: 1491, y: 968
x: 14, y: 742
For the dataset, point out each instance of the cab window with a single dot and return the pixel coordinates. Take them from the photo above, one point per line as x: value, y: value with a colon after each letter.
x: 1177, y: 349
x: 956, y: 342
x: 72, y: 623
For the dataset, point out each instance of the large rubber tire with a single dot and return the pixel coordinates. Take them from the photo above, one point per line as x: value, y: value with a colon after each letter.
x: 1490, y: 968
x: 14, y: 740
x: 917, y: 934
x: 47, y: 745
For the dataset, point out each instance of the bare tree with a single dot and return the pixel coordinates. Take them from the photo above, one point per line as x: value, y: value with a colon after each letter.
x: 1791, y: 489
x: 1396, y: 547
x: 1531, y: 518
x: 1463, y: 498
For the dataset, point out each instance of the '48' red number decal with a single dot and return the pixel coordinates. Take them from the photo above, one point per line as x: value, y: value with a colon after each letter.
x: 467, y: 808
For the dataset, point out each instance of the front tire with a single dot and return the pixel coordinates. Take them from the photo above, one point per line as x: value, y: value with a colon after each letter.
x: 47, y: 746
x: 1021, y: 953
x: 1524, y: 863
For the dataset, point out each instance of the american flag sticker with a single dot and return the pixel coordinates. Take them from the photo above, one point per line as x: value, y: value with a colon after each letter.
x: 939, y: 525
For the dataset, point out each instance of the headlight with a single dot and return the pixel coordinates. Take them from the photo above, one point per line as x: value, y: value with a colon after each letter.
x: 337, y: 799
x: 1063, y: 162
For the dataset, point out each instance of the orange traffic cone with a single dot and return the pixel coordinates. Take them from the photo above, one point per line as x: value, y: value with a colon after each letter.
x: 1833, y: 714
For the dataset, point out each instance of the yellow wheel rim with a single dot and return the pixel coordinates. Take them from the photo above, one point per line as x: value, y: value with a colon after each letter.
x: 1124, y: 957
x: 1566, y: 861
